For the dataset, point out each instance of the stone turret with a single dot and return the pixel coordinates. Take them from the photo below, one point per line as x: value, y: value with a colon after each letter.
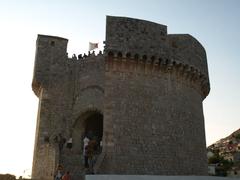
x: 142, y: 98
x: 51, y: 51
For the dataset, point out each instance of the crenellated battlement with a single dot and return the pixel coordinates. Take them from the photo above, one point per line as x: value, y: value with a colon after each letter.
x: 155, y: 65
x: 85, y: 56
x: 146, y: 47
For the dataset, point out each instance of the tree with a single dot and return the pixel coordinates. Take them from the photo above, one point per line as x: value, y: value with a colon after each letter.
x: 223, y: 165
x: 237, y: 136
x: 214, y: 159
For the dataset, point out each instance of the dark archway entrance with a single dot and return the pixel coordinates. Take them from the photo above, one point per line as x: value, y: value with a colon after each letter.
x: 94, y: 126
x: 89, y: 123
x: 93, y: 133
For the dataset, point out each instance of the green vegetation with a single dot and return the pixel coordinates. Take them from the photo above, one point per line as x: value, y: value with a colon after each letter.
x: 237, y: 136
x: 223, y: 165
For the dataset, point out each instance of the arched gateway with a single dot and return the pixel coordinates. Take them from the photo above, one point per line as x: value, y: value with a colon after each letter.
x: 141, y: 100
x: 89, y: 124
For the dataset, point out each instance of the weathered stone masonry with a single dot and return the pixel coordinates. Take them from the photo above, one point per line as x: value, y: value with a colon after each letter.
x: 149, y: 87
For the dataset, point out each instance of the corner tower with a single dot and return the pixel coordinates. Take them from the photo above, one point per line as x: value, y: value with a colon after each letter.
x: 49, y: 66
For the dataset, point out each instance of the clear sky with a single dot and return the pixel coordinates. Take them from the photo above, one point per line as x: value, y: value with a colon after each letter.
x: 215, y: 23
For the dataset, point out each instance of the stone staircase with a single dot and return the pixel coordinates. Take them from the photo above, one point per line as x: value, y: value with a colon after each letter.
x: 75, y: 164
x: 99, y: 162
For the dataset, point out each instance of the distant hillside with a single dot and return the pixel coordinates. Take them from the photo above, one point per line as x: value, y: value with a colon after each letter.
x: 230, y: 142
x: 7, y: 177
x: 10, y: 177
x: 224, y: 156
x: 235, y: 134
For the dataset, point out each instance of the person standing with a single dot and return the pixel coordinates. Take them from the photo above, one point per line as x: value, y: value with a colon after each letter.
x: 69, y: 143
x: 66, y: 176
x: 91, y: 152
x: 85, y: 146
x: 58, y: 175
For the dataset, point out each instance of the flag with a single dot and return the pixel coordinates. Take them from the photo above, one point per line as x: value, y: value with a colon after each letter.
x: 93, y: 46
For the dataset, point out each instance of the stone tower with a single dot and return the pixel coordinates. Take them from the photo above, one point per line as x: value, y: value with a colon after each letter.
x: 142, y: 98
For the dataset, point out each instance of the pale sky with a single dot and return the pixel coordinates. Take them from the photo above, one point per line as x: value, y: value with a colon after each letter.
x: 215, y: 23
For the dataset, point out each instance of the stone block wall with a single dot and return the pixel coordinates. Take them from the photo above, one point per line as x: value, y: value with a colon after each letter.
x: 153, y: 121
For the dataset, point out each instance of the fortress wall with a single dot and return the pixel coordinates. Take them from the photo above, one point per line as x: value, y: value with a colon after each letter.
x: 74, y: 87
x: 87, y: 89
x: 88, y: 85
x: 154, y: 120
x: 44, y: 153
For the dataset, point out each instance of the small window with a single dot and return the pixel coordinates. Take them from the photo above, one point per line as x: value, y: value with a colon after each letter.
x: 174, y: 44
x: 52, y: 43
x: 46, y: 139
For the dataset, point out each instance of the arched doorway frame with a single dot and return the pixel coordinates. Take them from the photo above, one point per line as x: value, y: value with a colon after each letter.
x: 79, y: 126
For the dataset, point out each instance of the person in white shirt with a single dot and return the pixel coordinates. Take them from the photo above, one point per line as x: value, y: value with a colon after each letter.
x: 85, y: 144
x: 69, y: 143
